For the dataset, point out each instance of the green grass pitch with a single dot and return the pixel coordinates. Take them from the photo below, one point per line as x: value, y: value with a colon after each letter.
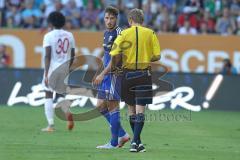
x: 207, y: 135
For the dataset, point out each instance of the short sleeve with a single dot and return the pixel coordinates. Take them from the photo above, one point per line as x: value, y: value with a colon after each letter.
x: 116, y: 49
x: 119, y: 30
x: 156, y: 46
x: 46, y: 41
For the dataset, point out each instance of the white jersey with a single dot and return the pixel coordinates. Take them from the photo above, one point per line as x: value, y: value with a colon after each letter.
x: 61, y: 43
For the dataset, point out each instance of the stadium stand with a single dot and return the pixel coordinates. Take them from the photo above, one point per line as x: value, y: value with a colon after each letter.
x: 164, y: 16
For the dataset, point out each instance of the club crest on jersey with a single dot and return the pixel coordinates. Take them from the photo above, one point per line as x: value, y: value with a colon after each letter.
x: 110, y: 38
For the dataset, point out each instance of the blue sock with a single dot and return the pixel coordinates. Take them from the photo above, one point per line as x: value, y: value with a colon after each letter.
x: 115, y: 124
x: 106, y: 114
x: 121, y: 131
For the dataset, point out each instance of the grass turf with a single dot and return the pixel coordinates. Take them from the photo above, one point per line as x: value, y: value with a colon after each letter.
x: 168, y: 135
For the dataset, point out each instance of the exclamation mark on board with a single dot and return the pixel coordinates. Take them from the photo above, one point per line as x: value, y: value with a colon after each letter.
x: 212, y: 90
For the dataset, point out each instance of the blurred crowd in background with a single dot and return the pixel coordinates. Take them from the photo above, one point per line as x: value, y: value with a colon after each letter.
x: 164, y: 16
x: 184, y: 17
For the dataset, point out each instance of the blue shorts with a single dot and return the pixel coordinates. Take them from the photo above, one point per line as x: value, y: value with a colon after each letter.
x: 110, y: 88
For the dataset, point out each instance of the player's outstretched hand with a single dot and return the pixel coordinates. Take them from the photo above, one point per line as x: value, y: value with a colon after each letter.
x: 98, y: 80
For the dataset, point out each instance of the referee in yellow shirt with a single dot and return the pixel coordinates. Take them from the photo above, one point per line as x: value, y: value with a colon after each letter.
x: 139, y: 47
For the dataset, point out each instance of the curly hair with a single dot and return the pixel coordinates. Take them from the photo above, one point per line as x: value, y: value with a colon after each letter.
x: 57, y: 19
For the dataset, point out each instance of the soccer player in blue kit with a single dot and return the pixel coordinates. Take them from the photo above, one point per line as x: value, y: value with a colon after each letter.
x: 109, y: 84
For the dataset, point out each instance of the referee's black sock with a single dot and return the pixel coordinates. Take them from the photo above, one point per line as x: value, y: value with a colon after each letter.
x: 138, y: 126
x: 132, y: 120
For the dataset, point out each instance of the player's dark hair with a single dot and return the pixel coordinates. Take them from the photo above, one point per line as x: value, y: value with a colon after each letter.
x: 57, y: 19
x: 112, y: 10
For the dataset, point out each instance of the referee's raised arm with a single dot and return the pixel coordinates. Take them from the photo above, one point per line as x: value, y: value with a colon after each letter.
x: 139, y: 46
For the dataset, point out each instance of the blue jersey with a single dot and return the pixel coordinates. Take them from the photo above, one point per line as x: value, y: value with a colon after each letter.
x: 110, y: 87
x: 109, y: 37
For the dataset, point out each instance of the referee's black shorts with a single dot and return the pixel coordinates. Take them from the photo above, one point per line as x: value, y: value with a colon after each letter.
x: 137, y: 87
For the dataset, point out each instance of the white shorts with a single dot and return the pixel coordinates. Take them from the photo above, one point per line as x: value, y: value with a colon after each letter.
x: 56, y: 80
x: 46, y: 88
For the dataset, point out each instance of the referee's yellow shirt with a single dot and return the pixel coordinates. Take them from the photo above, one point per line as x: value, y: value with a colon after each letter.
x: 138, y: 45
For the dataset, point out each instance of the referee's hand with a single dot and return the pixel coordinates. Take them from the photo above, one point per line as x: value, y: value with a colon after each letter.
x: 98, y: 80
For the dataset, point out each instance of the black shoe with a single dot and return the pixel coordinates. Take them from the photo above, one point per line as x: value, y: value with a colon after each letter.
x: 133, y: 147
x: 141, y: 148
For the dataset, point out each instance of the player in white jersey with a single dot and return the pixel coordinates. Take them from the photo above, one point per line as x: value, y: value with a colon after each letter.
x: 59, y: 47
